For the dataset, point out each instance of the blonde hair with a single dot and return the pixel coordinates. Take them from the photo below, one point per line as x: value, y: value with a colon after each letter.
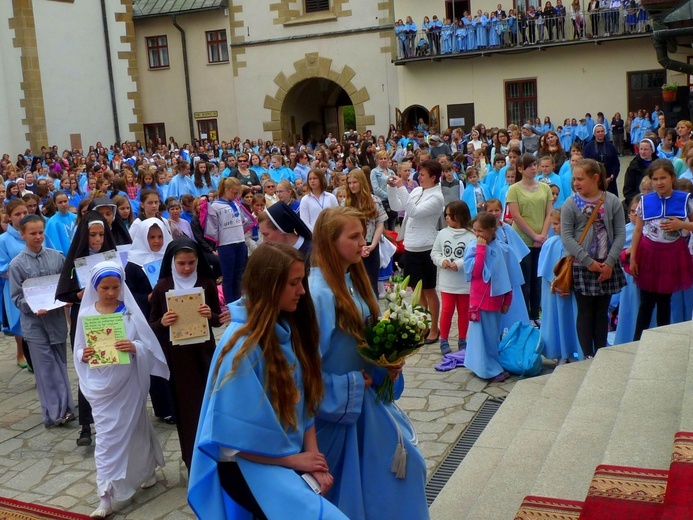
x: 326, y: 232
x: 363, y: 200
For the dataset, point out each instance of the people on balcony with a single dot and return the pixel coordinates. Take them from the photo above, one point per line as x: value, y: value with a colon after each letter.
x: 538, y: 24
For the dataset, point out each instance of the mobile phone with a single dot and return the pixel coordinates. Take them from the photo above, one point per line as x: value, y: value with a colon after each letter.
x: 312, y: 483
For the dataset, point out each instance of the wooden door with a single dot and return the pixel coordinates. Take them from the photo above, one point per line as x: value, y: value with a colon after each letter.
x: 434, y: 119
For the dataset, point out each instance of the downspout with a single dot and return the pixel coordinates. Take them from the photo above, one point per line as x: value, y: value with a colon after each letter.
x: 109, y: 63
x: 660, y: 41
x: 186, y: 73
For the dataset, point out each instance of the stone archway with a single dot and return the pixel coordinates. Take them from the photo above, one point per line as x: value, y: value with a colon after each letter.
x: 314, y: 66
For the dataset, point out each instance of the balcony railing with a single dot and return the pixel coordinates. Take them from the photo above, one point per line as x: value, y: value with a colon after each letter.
x: 496, y: 35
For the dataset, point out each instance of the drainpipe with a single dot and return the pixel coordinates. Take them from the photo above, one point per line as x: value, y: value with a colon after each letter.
x: 109, y: 63
x: 660, y: 41
x: 186, y: 72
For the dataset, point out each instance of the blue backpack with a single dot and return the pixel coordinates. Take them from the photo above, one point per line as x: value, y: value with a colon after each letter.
x: 520, y: 350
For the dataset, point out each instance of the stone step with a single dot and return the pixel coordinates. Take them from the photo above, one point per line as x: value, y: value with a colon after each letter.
x: 580, y: 444
x: 460, y: 493
x: 650, y: 411
x: 525, y: 455
x: 686, y: 424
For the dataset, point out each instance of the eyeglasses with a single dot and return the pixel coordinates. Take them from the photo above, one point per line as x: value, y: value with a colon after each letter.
x: 282, y: 191
x: 242, y: 160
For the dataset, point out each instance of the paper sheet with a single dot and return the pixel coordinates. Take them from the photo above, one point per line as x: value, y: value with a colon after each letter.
x: 84, y: 264
x: 190, y: 327
x: 39, y: 293
x: 101, y: 332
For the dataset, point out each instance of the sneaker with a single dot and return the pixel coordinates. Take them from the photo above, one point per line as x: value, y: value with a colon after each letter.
x: 84, y: 438
x: 461, y: 344
x: 445, y: 347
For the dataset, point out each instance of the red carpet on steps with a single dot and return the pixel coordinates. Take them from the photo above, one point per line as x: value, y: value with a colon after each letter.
x: 678, y: 503
x: 620, y: 493
x: 625, y: 493
x: 16, y: 510
x: 540, y: 508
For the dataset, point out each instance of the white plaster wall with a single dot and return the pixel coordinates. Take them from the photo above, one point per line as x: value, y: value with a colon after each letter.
x: 122, y: 82
x: 259, y: 20
x: 212, y: 85
x: 74, y: 75
x: 12, y: 131
x: 571, y: 80
x: 361, y: 53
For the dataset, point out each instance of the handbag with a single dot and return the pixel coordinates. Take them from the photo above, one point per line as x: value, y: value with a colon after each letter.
x: 563, y: 270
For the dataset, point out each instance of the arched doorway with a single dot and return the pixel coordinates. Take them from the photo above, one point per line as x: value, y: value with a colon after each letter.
x: 409, y: 118
x: 314, y: 107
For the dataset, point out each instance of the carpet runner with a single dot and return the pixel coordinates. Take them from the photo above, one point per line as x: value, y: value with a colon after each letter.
x: 621, y: 492
x: 540, y: 508
x: 16, y: 510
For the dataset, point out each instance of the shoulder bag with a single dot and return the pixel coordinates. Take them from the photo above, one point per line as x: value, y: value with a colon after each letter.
x: 563, y: 283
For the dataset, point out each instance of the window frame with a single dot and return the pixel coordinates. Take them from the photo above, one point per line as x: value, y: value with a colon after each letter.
x: 319, y: 7
x: 222, y: 46
x: 159, y: 49
x: 521, y: 100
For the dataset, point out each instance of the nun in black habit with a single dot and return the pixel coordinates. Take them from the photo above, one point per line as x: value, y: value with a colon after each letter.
x: 185, y: 267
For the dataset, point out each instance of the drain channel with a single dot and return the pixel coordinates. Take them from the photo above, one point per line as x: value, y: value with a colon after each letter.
x: 461, y: 448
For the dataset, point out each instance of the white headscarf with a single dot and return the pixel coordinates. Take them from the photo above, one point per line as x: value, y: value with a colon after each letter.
x: 180, y: 281
x: 140, y: 253
x: 134, y: 320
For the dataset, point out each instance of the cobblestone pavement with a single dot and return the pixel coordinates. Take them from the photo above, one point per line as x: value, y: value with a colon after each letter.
x: 46, y: 467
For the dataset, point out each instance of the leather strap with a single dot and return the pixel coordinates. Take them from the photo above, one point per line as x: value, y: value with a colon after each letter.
x: 591, y: 219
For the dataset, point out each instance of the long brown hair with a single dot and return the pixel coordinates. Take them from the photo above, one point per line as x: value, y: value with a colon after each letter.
x: 326, y: 232
x: 264, y: 280
x: 363, y: 200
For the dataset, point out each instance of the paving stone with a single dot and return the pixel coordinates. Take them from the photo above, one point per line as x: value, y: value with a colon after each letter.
x: 31, y: 473
x: 436, y: 402
x: 59, y: 483
x: 63, y: 502
x: 81, y: 489
x: 412, y: 403
x: 474, y: 402
x: 459, y: 417
x: 425, y: 416
x: 161, y: 505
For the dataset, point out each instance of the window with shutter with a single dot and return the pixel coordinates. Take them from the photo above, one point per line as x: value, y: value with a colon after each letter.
x: 313, y: 6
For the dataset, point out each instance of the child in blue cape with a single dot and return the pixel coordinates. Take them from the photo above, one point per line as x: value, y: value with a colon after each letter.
x: 447, y: 35
x: 558, y: 312
x: 565, y: 134
x: 546, y: 166
x: 492, y: 273
x: 517, y: 251
x: 475, y: 194
x: 582, y: 132
x: 510, y: 176
x: 460, y: 37
x: 491, y: 177
x: 358, y: 435
x: 566, y: 174
x: 256, y: 433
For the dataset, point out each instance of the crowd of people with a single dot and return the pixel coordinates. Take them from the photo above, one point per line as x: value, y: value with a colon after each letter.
x: 466, y: 31
x: 291, y: 246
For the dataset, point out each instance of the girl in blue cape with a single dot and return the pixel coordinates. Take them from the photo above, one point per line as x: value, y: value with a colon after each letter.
x: 447, y: 35
x: 565, y: 135
x: 629, y: 297
x: 582, y: 132
x: 61, y: 226
x: 11, y: 244
x: 517, y: 250
x: 493, y: 273
x: 475, y: 193
x: 546, y: 166
x: 460, y: 37
x: 358, y: 435
x: 558, y: 312
x: 256, y: 431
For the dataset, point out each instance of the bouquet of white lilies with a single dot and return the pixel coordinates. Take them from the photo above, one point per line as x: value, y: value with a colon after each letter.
x: 398, y: 334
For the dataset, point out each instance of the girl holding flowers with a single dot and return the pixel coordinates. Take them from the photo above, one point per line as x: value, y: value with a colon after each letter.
x: 358, y: 434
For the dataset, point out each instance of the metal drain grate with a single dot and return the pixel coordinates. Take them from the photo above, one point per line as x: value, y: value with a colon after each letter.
x: 461, y: 448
